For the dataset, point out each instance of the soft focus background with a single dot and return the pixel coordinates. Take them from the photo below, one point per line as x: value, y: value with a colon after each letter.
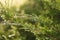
x: 16, y: 3
x: 29, y: 19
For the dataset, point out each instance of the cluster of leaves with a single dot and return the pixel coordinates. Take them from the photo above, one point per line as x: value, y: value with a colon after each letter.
x: 35, y: 20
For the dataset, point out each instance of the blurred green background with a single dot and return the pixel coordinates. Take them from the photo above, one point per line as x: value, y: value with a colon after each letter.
x: 34, y: 20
